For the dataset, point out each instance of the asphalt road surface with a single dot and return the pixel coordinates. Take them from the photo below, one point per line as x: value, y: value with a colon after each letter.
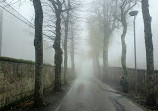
x: 89, y: 94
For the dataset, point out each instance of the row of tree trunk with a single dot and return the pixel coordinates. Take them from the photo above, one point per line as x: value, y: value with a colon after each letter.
x: 151, y: 99
x: 109, y: 24
x: 58, y: 51
x: 38, y: 43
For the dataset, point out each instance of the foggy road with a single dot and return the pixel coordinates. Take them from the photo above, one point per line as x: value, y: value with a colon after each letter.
x: 88, y: 94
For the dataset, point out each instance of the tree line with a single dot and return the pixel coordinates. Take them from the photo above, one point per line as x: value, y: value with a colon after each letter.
x: 54, y: 21
x: 63, y: 15
x: 107, y: 16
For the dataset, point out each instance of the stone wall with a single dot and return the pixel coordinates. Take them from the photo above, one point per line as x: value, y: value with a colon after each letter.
x: 17, y: 80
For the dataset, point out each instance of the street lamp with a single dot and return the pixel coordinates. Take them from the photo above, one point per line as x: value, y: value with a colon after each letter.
x: 134, y: 14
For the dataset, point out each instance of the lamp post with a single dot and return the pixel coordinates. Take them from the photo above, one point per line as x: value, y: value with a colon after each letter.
x: 134, y: 14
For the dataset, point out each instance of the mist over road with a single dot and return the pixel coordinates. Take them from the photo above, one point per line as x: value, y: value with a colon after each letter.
x: 89, y: 94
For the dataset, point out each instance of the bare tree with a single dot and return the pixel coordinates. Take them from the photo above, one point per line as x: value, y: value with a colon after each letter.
x: 51, y: 28
x: 72, y: 50
x: 73, y: 40
x: 38, y: 43
x: 71, y: 7
x: 151, y: 99
x: 57, y: 4
x: 105, y: 10
x: 95, y: 42
x: 58, y: 9
x: 66, y: 23
x: 125, y: 7
x: 73, y: 36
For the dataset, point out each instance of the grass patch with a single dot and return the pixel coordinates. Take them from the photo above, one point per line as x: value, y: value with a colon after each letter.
x: 8, y: 59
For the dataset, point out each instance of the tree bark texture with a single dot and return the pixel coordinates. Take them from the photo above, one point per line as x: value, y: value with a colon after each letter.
x: 57, y: 45
x: 38, y: 43
x: 124, y: 51
x: 151, y: 99
x: 58, y: 53
x: 105, y: 57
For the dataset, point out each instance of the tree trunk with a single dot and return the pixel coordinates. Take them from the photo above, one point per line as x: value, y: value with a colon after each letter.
x: 72, y: 55
x: 151, y: 99
x: 38, y: 43
x: 65, y: 51
x: 97, y: 67
x: 105, y: 58
x: 73, y: 65
x: 123, y: 57
x: 58, y: 53
x: 94, y: 67
x: 65, y: 45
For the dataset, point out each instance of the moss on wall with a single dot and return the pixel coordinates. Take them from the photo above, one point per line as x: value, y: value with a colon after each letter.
x: 8, y: 59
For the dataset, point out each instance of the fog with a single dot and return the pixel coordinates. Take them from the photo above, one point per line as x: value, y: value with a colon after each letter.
x: 88, y: 59
x: 82, y: 59
x: 115, y: 48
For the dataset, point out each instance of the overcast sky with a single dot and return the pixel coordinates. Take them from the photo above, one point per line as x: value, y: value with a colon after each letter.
x: 27, y: 10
